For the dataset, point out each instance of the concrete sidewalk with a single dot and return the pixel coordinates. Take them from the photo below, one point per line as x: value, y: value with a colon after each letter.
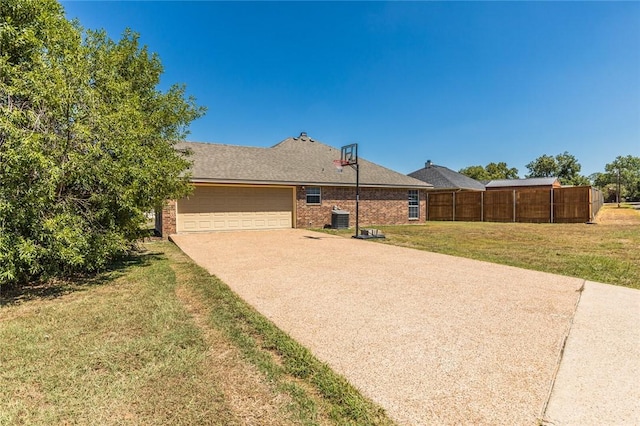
x: 598, y: 382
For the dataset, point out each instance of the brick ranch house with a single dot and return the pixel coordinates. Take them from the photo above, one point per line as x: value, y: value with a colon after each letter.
x: 292, y: 184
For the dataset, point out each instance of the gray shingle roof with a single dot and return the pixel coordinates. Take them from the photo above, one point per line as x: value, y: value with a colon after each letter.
x: 443, y: 178
x: 543, y: 181
x: 299, y: 161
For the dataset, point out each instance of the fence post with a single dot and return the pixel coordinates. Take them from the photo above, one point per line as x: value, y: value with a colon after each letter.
x: 453, y: 201
x: 482, y: 206
x: 514, y: 205
x: 551, y: 205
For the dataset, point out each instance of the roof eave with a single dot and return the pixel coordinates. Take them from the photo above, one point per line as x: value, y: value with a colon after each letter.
x: 457, y: 189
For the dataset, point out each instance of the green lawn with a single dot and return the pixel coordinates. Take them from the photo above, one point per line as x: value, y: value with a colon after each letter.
x: 607, y: 252
x: 159, y: 341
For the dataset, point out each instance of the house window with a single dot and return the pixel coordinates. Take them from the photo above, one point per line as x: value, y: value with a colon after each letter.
x: 414, y: 204
x: 313, y: 195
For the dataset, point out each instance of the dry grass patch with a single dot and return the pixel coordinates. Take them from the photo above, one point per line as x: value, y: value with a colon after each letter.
x: 122, y: 352
x: 624, y: 215
x: 246, y: 391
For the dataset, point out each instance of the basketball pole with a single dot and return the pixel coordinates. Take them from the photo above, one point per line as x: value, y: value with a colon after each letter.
x: 356, y: 166
x: 357, y: 199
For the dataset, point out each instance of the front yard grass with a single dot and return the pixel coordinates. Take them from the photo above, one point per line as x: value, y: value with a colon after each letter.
x: 607, y: 252
x: 159, y: 341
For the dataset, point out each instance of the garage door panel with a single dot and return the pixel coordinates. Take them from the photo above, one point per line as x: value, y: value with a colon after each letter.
x: 190, y: 225
x: 226, y: 208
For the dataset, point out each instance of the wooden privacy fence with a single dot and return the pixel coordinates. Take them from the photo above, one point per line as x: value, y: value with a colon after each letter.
x: 557, y: 205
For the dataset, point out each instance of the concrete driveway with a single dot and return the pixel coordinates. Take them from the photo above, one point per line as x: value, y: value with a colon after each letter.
x: 433, y: 339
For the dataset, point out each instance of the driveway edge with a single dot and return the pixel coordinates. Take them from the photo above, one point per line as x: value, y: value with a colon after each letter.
x: 597, y: 382
x: 563, y: 346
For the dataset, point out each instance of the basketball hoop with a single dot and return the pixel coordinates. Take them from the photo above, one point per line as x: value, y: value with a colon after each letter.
x: 349, y: 157
x: 340, y: 164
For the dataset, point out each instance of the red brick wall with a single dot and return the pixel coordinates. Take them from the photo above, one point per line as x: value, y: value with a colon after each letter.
x: 378, y: 206
x: 166, y: 224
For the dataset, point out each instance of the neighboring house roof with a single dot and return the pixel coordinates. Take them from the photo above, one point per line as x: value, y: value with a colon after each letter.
x: 294, y: 161
x: 543, y: 181
x: 443, y: 178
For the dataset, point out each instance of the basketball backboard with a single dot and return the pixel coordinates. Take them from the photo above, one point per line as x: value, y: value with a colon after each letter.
x: 349, y: 154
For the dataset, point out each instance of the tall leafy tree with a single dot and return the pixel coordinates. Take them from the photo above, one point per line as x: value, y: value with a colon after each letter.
x: 624, y: 170
x: 475, y: 172
x: 501, y: 171
x: 543, y: 166
x: 563, y: 166
x: 490, y: 172
x: 569, y: 170
x: 86, y: 142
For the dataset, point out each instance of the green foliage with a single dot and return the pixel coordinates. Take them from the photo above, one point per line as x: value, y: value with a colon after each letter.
x: 86, y: 142
x: 543, y: 166
x: 501, y: 171
x: 626, y: 171
x: 490, y: 172
x: 475, y: 172
x: 563, y: 166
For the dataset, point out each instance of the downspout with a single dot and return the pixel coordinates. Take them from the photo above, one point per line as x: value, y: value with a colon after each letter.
x: 427, y: 206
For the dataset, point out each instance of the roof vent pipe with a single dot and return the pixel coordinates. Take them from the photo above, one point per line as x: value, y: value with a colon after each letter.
x: 427, y: 164
x: 303, y: 135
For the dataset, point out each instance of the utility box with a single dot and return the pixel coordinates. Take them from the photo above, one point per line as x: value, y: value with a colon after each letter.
x: 339, y: 219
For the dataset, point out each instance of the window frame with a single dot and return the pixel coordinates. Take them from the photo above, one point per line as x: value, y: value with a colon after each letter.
x: 318, y: 195
x: 414, y: 204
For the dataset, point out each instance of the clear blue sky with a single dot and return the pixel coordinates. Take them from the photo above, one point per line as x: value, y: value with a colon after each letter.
x: 459, y: 83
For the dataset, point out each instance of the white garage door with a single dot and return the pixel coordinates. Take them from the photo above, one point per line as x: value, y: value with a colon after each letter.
x: 225, y: 208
